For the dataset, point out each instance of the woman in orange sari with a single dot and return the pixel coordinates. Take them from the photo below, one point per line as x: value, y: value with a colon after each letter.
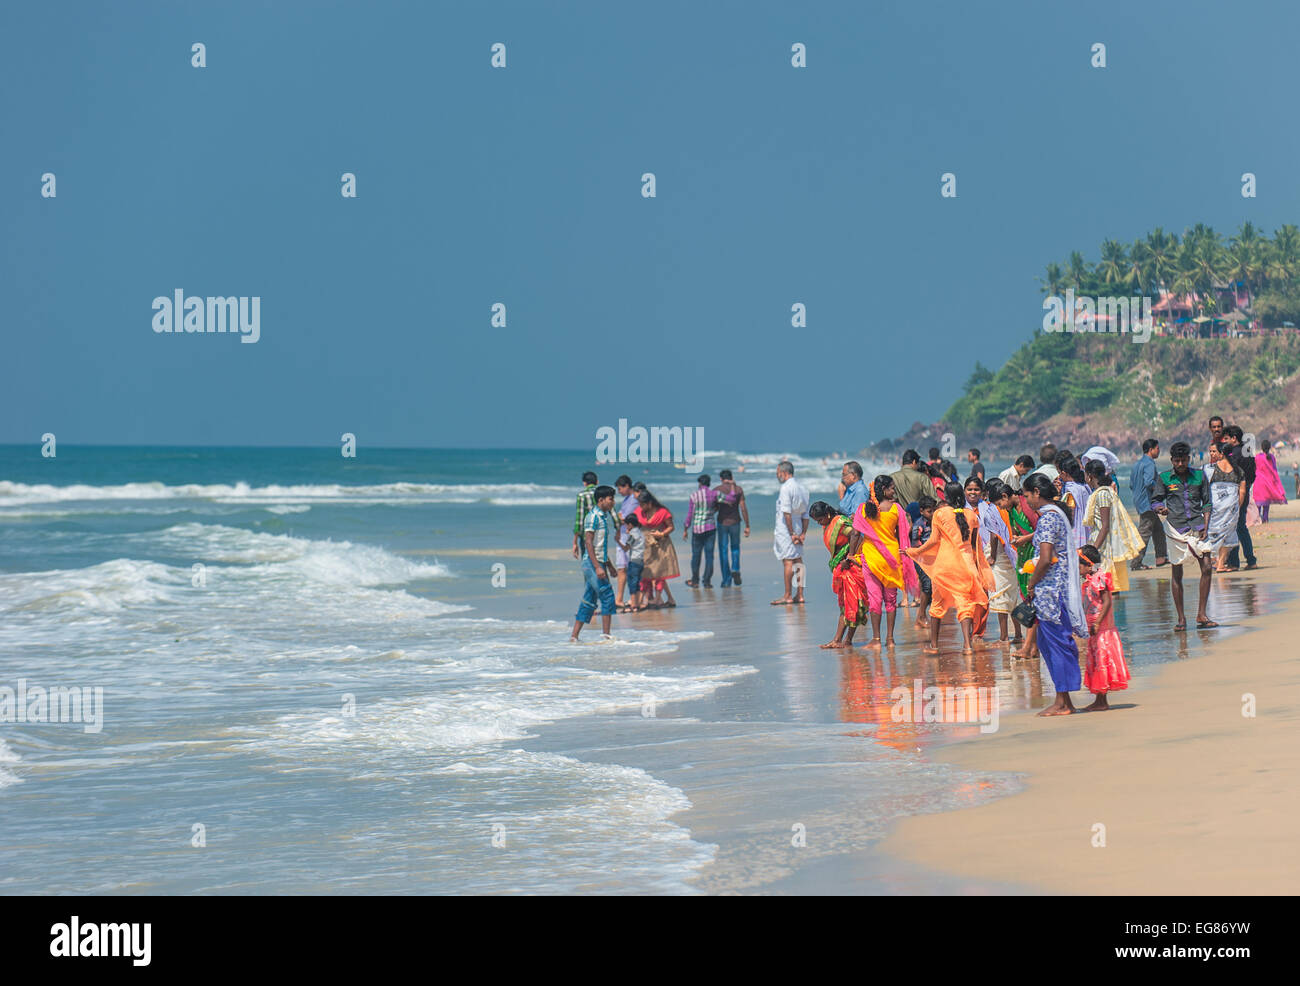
x: 884, y: 534
x: 959, y: 572
x: 846, y: 571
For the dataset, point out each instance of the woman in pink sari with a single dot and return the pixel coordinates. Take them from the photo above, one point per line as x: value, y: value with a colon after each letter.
x: 1268, y: 484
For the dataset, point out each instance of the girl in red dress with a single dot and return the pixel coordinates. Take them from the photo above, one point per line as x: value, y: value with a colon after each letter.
x: 1107, y: 670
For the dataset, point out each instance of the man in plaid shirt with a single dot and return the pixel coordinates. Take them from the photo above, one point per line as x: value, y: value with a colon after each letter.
x: 586, y: 500
x: 701, y: 525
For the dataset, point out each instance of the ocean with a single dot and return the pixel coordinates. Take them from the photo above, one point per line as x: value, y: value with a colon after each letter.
x: 332, y: 675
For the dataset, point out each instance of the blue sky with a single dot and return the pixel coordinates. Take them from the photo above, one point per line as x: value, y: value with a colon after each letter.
x: 522, y: 186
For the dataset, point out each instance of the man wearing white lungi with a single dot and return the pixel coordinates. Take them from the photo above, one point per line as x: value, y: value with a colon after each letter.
x: 791, y: 528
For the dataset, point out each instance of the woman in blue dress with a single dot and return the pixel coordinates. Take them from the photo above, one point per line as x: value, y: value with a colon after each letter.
x: 1054, y: 591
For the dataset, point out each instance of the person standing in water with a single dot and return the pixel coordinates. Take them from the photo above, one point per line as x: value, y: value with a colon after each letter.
x: 788, y: 537
x: 1054, y: 590
x: 959, y: 573
x: 731, y: 508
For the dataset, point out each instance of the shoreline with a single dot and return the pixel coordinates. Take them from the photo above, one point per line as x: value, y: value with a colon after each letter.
x: 1195, y: 797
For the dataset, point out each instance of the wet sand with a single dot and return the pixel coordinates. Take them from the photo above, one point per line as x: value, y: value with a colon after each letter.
x: 808, y: 739
x: 1194, y: 797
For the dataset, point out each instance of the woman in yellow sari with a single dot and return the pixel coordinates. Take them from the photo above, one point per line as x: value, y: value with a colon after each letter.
x: 886, y: 567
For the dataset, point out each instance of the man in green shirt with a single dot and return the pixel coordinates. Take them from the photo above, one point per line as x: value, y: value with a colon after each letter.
x: 912, y: 482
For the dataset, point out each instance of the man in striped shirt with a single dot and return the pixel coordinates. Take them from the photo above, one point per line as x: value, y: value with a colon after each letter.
x: 701, y: 525
x: 586, y: 500
x: 599, y: 537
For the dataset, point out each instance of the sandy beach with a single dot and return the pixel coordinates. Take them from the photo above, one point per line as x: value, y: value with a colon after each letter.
x: 1195, y: 797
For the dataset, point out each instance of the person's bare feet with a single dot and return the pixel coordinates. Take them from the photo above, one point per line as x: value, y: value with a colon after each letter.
x: 1054, y: 711
x: 889, y: 642
x: 833, y: 645
x: 1099, y: 704
x: 929, y: 650
x: 920, y: 624
x: 872, y: 645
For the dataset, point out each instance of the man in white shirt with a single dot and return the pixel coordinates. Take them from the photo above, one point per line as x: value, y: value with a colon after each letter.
x: 791, y: 528
x: 1015, y: 474
x: 1047, y: 456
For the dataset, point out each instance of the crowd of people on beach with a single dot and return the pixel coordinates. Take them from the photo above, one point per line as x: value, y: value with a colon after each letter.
x: 1045, y: 546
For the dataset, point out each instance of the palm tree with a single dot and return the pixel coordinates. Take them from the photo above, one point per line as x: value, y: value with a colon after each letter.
x: 1139, y: 265
x: 1241, y: 263
x: 1052, y: 280
x: 1080, y: 273
x: 1245, y: 259
x: 1161, y: 247
x: 1282, y: 260
x: 1113, y: 268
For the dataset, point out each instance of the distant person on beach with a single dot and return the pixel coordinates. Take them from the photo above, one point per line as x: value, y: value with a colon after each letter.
x: 702, y: 528
x: 852, y: 490
x: 959, y: 574
x: 1231, y: 444
x: 1268, y: 482
x: 1113, y: 533
x: 791, y: 529
x: 1141, y: 482
x: 1075, y: 491
x: 1046, y: 462
x: 846, y: 572
x: 1216, y: 432
x: 1054, y: 590
x: 634, y: 540
x: 1003, y: 499
x: 919, y: 534
x: 731, y: 508
x: 937, y: 479
x: 976, y: 467
x: 625, y: 500
x: 599, y: 533
x: 586, y: 500
x: 660, y: 555
x: 1015, y: 473
x: 1227, y: 494
x: 1107, y: 670
x: 885, y: 537
x: 1182, y: 498
x: 1021, y: 524
x: 995, y: 538
x: 911, y: 482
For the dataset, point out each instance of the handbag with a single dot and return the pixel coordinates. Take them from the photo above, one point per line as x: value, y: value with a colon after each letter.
x: 1024, y: 614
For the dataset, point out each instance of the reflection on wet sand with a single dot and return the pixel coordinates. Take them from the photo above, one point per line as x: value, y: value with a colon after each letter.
x: 1145, y: 617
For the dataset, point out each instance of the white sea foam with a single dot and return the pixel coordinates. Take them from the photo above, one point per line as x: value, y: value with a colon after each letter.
x: 7, y: 756
x: 478, y: 713
x: 337, y: 562
x: 19, y: 494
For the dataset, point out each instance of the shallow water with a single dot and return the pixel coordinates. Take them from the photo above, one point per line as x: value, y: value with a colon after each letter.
x: 342, y: 699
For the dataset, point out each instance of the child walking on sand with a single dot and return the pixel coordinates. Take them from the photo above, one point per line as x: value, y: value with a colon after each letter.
x: 919, y: 534
x: 635, y: 548
x: 1107, y: 670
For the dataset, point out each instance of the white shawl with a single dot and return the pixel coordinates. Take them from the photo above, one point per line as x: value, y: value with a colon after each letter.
x: 1073, y: 584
